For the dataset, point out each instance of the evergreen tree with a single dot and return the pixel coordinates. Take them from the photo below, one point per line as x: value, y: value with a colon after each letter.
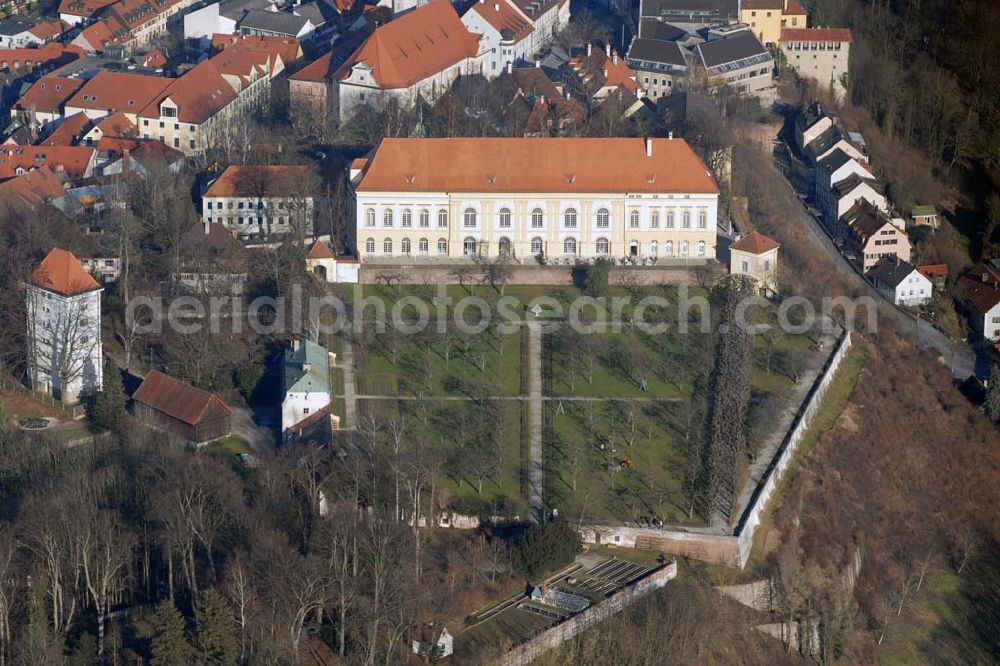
x: 168, y: 647
x: 108, y: 410
x: 215, y: 629
x: 993, y: 395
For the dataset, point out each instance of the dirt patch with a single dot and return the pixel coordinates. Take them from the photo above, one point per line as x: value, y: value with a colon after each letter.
x: 22, y: 406
x: 847, y: 420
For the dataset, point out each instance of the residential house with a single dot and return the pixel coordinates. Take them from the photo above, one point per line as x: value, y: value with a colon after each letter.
x: 169, y: 404
x: 266, y: 23
x: 830, y: 171
x: 16, y: 32
x: 289, y: 49
x: 70, y: 132
x: 148, y: 158
x: 65, y: 358
x: 603, y: 71
x: 936, y: 273
x: 619, y: 197
x: 821, y: 54
x: 309, y: 88
x: 869, y: 235
x: 767, y: 18
x: 847, y: 193
x: 756, y: 255
x: 259, y: 201
x: 981, y: 293
x: 420, y: 53
x: 305, y: 385
x: 76, y: 162
x: 547, y: 17
x: 27, y: 65
x: 506, y: 34
x: 901, y: 282
x: 108, y: 92
x: 835, y: 139
x: 108, y: 269
x: 660, y: 65
x: 733, y: 56
x: 925, y: 216
x: 43, y: 105
x: 693, y: 13
x: 23, y: 195
x: 537, y: 104
x: 211, y: 261
x: 76, y: 12
x: 810, y: 124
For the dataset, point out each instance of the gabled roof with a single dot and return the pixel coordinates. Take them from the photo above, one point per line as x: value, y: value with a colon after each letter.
x: 76, y: 161
x: 154, y: 59
x: 742, y: 45
x: 49, y: 94
x: 923, y: 211
x: 414, y: 46
x: 61, y: 272
x: 179, y: 400
x: 536, y: 165
x: 15, y: 25
x: 86, y: 8
x: 31, y: 189
x: 199, y: 94
x: 320, y: 250
x: 69, y: 132
x: 505, y: 18
x: 762, y: 4
x: 755, y: 243
x: 852, y: 182
x: 890, y: 272
x: 306, y: 368
x: 660, y: 31
x: 50, y: 29
x: 657, y: 51
x: 118, y: 125
x: 835, y: 160
x: 284, y: 23
x: 318, y: 70
x: 604, y: 69
x: 150, y: 153
x: 252, y: 180
x: 119, y: 91
x: 289, y: 48
x: 866, y: 221
x: 934, y: 270
x: 699, y: 11
x: 815, y: 35
x: 52, y: 54
x: 981, y: 286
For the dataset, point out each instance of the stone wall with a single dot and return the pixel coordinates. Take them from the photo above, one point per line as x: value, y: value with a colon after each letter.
x: 714, y: 548
x: 619, y: 600
x: 373, y: 273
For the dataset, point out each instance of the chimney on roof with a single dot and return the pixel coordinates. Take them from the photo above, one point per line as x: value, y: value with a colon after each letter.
x: 567, y: 94
x: 649, y: 146
x: 510, y: 67
x: 590, y: 49
x: 496, y: 6
x: 605, y: 72
x: 306, y: 367
x: 607, y: 49
x: 543, y: 99
x: 670, y: 135
x: 538, y: 63
x: 295, y: 345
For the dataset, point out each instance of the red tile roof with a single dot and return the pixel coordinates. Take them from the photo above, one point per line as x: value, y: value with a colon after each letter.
x: 76, y: 161
x: 320, y: 250
x: 199, y: 94
x: 794, y: 8
x: 117, y: 125
x: 984, y: 296
x: 85, y: 8
x: 52, y: 54
x: 815, y: 35
x: 317, y: 71
x: 504, y: 18
x: 31, y: 189
x: 61, y: 272
x: 599, y: 70
x: 755, y: 243
x: 154, y: 59
x: 536, y: 165
x: 934, y: 270
x: 119, y: 91
x: 289, y: 48
x: 49, y: 94
x: 179, y: 400
x: 414, y: 46
x: 69, y: 132
x: 251, y: 180
x: 49, y: 29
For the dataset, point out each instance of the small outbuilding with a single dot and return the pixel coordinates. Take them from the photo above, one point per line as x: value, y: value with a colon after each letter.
x: 179, y: 408
x: 756, y: 255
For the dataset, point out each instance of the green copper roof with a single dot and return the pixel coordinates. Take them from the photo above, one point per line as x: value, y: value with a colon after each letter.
x: 297, y: 358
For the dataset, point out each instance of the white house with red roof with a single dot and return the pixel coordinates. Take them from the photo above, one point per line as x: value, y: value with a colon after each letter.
x: 506, y: 33
x: 64, y: 328
x: 756, y: 255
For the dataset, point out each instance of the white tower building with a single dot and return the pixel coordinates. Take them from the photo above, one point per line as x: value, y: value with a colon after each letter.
x: 64, y: 328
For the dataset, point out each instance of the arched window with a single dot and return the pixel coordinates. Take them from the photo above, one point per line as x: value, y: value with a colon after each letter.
x: 537, y: 218
x: 442, y: 246
x: 505, y: 218
x: 370, y: 217
x: 425, y: 218
x: 603, y: 247
x: 504, y: 245
x: 686, y: 219
x: 387, y: 246
x: 442, y: 218
x: 407, y: 219
x: 569, y: 218
x: 702, y: 220
x: 370, y: 246
x: 684, y: 249
x: 701, y: 248
x: 654, y: 248
x: 387, y: 217
x: 422, y: 245
x: 405, y: 245
x: 633, y: 220
x: 670, y: 219
x: 668, y: 248
x: 569, y: 246
x: 536, y: 245
x: 469, y: 246
x: 654, y: 219
x: 603, y: 218
x: 633, y: 248
x: 469, y: 218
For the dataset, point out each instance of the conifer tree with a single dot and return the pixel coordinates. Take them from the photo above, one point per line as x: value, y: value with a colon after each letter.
x: 168, y: 647
x: 109, y: 405
x: 215, y: 628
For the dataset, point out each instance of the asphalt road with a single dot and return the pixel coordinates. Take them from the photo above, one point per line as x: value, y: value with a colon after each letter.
x: 958, y: 356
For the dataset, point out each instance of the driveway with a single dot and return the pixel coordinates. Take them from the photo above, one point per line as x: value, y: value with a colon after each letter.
x: 260, y: 441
